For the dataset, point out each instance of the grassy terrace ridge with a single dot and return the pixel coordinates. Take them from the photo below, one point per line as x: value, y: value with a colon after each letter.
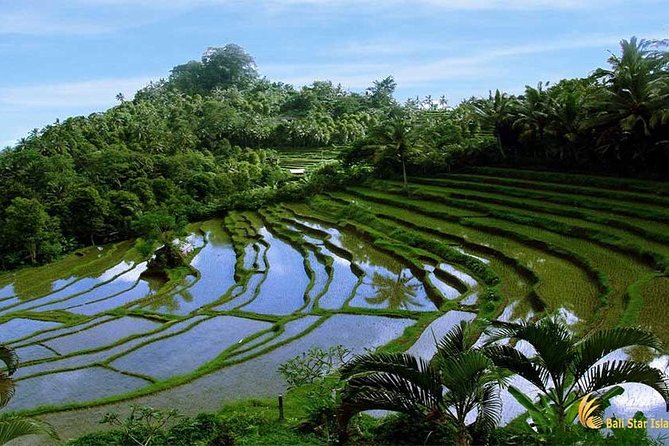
x: 646, y: 229
x: 589, y: 180
x: 609, y: 262
x: 611, y: 206
x: 547, y: 291
x: 617, y: 231
x: 561, y: 187
x: 652, y: 258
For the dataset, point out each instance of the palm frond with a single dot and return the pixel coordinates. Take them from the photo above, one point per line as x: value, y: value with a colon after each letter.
x: 10, y: 358
x: 603, y: 342
x: 509, y: 358
x: 14, y: 427
x: 412, y: 375
x: 489, y: 406
x: 7, y: 389
x: 618, y: 372
x: 389, y: 391
x: 462, y: 375
x: 458, y: 340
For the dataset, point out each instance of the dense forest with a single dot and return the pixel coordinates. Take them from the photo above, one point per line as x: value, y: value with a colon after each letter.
x: 200, y: 142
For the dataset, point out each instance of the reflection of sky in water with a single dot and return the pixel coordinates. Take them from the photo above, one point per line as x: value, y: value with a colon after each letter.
x: 471, y: 299
x: 249, y: 256
x: 320, y: 279
x: 7, y: 291
x: 115, y: 271
x: 243, y: 297
x: 461, y: 250
x: 97, y: 357
x: 342, y: 284
x: 66, y: 387
x: 445, y: 289
x: 508, y: 313
x: 59, y: 283
x: 176, y: 355
x: 101, y: 335
x: 125, y: 282
x: 216, y: 264
x: 466, y: 278
x: 283, y: 290
x: 335, y: 235
x: 425, y: 347
x: 568, y: 316
x: 290, y: 329
x: 19, y: 328
x: 79, y: 286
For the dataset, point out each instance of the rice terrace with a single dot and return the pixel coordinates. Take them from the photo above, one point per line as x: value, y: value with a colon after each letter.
x: 223, y: 259
x: 266, y: 285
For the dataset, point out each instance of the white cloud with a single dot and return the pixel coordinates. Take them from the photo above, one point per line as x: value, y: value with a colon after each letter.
x: 39, y: 17
x: 484, y: 61
x: 92, y: 93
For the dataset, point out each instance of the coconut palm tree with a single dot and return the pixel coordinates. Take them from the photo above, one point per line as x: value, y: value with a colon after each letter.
x: 531, y: 117
x: 12, y: 427
x: 495, y: 112
x: 632, y: 101
x: 460, y: 380
x: 566, y: 367
x: 393, y: 138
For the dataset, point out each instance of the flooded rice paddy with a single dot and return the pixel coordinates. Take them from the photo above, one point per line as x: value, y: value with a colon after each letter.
x: 265, y: 287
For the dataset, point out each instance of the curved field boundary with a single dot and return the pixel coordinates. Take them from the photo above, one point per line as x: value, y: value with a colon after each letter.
x: 613, y: 183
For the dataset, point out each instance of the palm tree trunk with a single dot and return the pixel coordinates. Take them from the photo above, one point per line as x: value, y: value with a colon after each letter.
x: 404, y: 176
x: 464, y: 438
x: 499, y: 145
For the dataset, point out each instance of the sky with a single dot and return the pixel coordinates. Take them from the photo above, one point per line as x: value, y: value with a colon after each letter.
x: 64, y: 58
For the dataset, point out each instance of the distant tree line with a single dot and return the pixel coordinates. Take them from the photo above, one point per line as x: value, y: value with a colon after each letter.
x: 615, y: 121
x: 195, y: 144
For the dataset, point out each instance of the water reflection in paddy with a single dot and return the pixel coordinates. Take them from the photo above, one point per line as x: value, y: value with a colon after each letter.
x: 185, y: 352
x: 101, y: 356
x: 72, y: 386
x: 232, y: 383
x: 343, y: 282
x: 283, y: 290
x: 20, y: 328
x: 100, y: 335
x: 216, y: 264
x: 84, y: 285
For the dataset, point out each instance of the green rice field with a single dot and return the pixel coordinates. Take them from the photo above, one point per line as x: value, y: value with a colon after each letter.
x: 370, y: 267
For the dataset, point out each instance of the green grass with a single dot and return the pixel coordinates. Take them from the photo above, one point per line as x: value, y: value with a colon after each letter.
x: 649, y: 239
x: 654, y: 311
x: 616, y: 184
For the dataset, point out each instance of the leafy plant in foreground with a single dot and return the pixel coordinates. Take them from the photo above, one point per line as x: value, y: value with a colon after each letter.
x: 459, y: 380
x: 317, y: 369
x: 565, y: 368
x: 143, y: 424
x: 12, y: 426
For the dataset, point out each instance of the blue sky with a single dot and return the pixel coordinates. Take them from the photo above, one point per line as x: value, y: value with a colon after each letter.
x: 69, y: 57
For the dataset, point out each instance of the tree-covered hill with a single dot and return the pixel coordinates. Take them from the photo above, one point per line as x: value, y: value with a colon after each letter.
x: 186, y: 147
